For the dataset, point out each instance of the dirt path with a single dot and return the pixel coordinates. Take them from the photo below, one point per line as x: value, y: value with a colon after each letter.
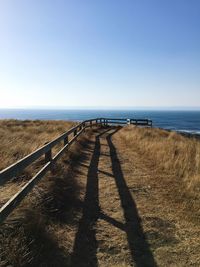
x: 110, y: 231
x: 125, y: 221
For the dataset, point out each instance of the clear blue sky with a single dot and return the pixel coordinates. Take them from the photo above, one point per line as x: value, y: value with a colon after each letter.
x: 116, y: 53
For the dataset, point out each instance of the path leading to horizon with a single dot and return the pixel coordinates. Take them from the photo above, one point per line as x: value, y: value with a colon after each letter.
x: 109, y: 211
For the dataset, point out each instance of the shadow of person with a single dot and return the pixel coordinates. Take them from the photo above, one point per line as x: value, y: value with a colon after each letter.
x: 138, y: 245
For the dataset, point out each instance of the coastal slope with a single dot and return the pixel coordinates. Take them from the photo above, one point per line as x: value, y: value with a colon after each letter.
x: 119, y: 197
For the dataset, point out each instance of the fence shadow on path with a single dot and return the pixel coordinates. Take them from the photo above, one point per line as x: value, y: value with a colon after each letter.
x: 85, y: 245
x: 138, y: 245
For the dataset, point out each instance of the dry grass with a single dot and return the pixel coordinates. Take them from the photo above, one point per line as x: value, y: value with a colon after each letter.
x: 117, y: 198
x: 161, y: 169
x: 19, y: 138
x: 170, y: 152
x: 173, y: 154
x: 32, y: 235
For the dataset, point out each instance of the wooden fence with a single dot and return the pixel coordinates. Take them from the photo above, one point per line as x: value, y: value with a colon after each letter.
x: 67, y: 138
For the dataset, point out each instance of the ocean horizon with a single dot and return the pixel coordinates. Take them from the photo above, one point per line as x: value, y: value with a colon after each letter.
x: 178, y: 120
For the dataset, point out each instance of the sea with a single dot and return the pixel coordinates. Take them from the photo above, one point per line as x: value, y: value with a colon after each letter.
x: 183, y: 121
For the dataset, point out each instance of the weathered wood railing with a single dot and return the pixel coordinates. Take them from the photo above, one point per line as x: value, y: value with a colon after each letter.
x: 46, y: 150
x: 139, y: 122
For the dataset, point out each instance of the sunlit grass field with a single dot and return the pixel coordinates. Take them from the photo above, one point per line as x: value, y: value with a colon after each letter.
x: 162, y: 172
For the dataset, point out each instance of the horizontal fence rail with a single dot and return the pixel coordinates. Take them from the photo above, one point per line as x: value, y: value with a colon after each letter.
x: 139, y: 122
x: 46, y: 150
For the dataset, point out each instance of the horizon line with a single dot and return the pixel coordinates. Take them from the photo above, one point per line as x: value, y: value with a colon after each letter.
x: 180, y: 108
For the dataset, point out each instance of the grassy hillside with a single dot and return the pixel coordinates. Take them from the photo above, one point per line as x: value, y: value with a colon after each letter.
x: 118, y: 197
x: 29, y: 236
x: 173, y: 154
x: 19, y: 138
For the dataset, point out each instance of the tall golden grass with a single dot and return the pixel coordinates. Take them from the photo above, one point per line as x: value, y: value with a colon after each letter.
x: 29, y: 237
x: 171, y: 153
x: 19, y: 138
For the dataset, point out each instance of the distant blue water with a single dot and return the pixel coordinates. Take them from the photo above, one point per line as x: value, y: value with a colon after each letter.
x: 186, y: 121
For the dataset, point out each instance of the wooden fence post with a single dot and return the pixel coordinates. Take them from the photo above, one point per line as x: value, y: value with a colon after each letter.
x: 48, y: 158
x: 66, y: 140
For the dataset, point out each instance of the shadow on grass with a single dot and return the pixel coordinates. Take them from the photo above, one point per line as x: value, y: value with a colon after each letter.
x: 45, y: 251
x: 61, y: 200
x: 138, y: 245
x: 25, y: 242
x: 85, y: 245
x: 27, y: 239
